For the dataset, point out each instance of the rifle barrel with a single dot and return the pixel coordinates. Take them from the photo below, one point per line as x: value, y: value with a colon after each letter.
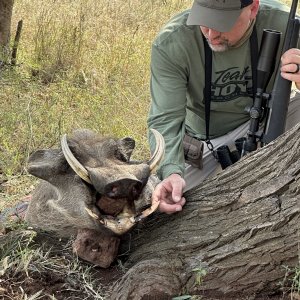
x: 280, y: 96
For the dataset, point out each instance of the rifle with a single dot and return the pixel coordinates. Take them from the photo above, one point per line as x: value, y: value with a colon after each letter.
x: 279, y: 102
x: 271, y: 107
x: 265, y: 69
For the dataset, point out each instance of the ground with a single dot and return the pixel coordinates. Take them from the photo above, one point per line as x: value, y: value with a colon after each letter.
x: 43, y: 266
x: 38, y: 265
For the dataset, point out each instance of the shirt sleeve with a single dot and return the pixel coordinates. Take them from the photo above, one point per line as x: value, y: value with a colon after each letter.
x: 168, y: 109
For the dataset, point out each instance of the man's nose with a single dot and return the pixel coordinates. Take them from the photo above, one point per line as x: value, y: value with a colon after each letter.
x: 212, y: 34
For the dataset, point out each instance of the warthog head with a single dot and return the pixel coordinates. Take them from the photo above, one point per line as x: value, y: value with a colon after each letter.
x: 91, y: 183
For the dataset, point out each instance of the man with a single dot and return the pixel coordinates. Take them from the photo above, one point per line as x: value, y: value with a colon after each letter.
x: 178, y: 76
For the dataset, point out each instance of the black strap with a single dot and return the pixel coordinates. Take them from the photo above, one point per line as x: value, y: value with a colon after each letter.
x: 208, y: 76
x: 207, y: 89
x: 254, y: 60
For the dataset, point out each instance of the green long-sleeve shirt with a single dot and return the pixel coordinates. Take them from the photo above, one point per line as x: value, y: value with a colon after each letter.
x: 177, y: 83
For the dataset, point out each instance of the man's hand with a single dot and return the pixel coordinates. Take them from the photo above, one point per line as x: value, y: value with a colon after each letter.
x: 290, y: 66
x: 169, y: 194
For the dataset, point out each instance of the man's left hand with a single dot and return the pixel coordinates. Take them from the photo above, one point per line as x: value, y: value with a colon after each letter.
x: 290, y: 66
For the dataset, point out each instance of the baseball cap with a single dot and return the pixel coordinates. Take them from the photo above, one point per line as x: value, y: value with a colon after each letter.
x: 220, y: 15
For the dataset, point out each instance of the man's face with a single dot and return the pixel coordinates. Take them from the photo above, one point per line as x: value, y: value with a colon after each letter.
x: 221, y: 41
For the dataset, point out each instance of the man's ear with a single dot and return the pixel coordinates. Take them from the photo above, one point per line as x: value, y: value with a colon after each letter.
x: 254, y: 9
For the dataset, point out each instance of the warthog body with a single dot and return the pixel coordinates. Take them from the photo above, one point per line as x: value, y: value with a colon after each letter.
x: 117, y: 189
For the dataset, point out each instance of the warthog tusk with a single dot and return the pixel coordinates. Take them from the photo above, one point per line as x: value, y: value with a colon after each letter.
x: 81, y: 171
x: 118, y: 226
x: 158, y: 152
x: 147, y: 212
x: 122, y: 225
x: 77, y: 167
x: 93, y: 215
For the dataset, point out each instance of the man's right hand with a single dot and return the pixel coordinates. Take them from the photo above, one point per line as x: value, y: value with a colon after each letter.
x: 169, y: 194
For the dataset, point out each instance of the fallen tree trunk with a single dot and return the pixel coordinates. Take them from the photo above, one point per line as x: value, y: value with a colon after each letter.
x: 235, y: 236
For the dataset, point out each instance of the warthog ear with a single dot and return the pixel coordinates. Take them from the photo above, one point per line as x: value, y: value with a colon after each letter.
x: 125, y: 147
x: 47, y: 163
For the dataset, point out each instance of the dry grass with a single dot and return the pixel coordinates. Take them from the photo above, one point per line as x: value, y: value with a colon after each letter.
x: 31, y: 268
x: 81, y: 64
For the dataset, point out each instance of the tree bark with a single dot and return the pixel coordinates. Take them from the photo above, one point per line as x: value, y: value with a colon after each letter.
x: 235, y: 236
x: 6, y: 8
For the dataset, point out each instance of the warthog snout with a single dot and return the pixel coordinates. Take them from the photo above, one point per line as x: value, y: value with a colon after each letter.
x: 119, y: 180
x: 124, y: 188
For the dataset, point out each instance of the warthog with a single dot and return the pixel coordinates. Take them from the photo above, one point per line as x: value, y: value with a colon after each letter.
x: 91, y: 188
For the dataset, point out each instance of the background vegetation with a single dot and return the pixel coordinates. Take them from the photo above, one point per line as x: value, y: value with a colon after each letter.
x: 81, y: 64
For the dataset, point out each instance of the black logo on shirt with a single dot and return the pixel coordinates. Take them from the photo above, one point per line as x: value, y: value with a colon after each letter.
x: 231, y: 84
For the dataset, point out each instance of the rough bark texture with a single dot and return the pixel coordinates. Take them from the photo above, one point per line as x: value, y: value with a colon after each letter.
x: 6, y: 7
x: 241, y: 228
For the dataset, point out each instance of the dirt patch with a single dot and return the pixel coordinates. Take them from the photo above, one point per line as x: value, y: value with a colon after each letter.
x: 41, y: 264
x: 62, y: 286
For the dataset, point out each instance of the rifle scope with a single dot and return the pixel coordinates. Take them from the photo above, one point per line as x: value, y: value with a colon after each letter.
x: 265, y: 69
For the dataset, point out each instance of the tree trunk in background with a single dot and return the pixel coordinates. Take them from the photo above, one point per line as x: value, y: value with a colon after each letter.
x: 240, y: 228
x: 6, y: 7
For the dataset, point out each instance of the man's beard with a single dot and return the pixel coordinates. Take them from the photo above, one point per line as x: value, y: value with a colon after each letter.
x: 222, y: 47
x: 219, y: 48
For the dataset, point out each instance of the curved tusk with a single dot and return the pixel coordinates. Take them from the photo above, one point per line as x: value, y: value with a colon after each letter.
x: 117, y: 226
x: 77, y: 167
x: 93, y: 215
x: 120, y: 226
x: 159, y: 150
x: 147, y: 212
